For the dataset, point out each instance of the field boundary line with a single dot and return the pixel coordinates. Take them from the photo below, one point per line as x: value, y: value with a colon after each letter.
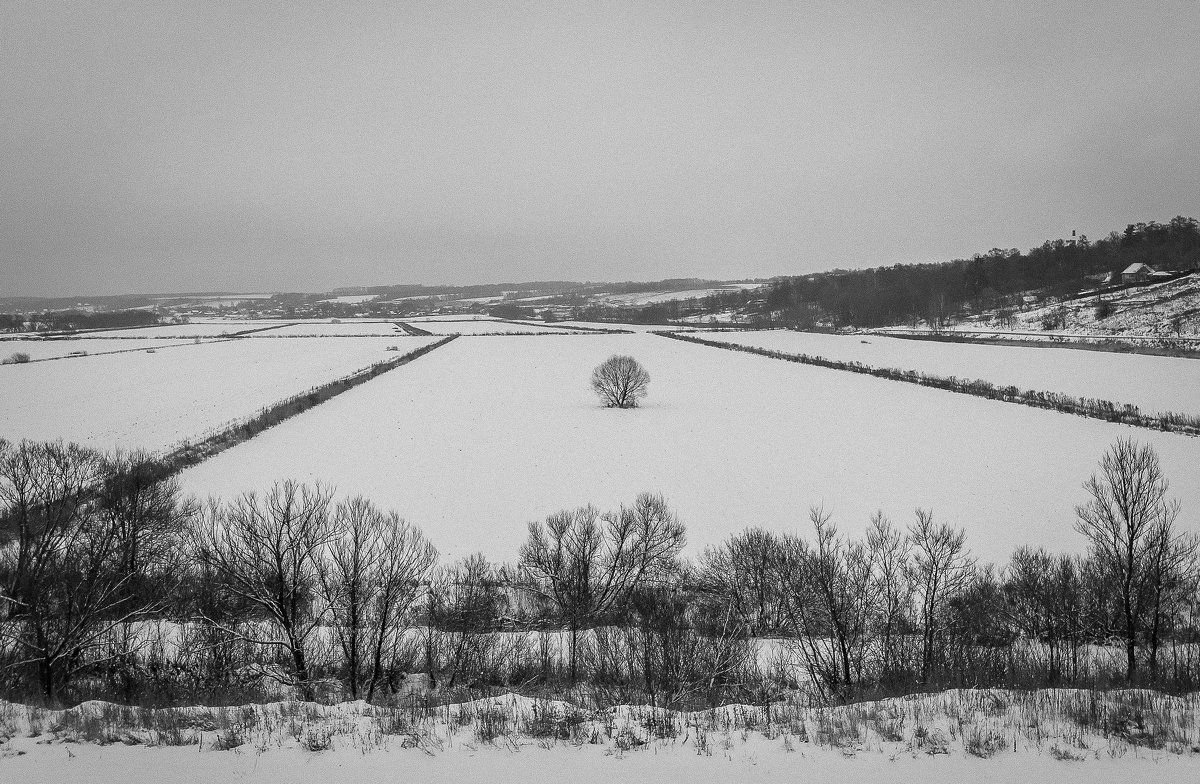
x: 1108, y: 411
x: 576, y: 329
x: 1184, y: 348
x: 413, y: 331
x: 149, y: 349
x: 189, y: 454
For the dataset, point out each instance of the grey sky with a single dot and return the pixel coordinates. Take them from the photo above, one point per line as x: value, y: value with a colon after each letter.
x: 200, y: 146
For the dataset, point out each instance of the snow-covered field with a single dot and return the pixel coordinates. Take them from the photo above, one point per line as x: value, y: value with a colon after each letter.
x: 1154, y: 384
x: 155, y: 400
x: 985, y: 735
x: 653, y: 298
x: 627, y: 327
x: 351, y: 299
x: 341, y: 329
x: 483, y: 436
x: 200, y: 330
x: 448, y: 317
x: 47, y: 349
x: 481, y: 326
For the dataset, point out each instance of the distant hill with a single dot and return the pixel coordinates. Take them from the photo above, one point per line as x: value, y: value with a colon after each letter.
x: 949, y: 291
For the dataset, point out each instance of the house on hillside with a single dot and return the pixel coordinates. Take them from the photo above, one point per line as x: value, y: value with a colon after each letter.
x: 1137, y: 273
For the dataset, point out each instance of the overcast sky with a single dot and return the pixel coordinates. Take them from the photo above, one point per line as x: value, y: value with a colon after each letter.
x: 161, y: 147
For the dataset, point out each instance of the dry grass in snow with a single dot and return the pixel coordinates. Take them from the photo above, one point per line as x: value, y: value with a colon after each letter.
x: 986, y: 735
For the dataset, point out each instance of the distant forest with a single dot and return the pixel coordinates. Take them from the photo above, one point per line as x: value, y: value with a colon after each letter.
x: 905, y: 293
x: 894, y: 295
x: 70, y: 320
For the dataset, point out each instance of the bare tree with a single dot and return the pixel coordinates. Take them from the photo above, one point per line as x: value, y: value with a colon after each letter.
x: 941, y: 567
x: 63, y: 585
x: 146, y: 507
x: 740, y: 574
x: 267, y: 551
x: 1130, y: 524
x: 585, y: 565
x: 682, y: 647
x: 376, y: 568
x: 890, y: 588
x: 463, y: 609
x: 620, y: 381
x: 1043, y: 603
x: 828, y: 602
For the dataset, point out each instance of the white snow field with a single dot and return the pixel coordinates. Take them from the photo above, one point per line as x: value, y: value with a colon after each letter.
x: 485, y: 435
x: 923, y: 739
x: 626, y: 327
x: 341, y: 329
x: 200, y: 330
x: 481, y: 327
x: 48, y: 349
x: 155, y: 400
x: 1153, y: 384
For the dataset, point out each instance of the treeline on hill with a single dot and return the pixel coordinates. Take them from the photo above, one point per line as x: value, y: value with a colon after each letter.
x: 113, y: 585
x: 70, y: 320
x: 934, y: 292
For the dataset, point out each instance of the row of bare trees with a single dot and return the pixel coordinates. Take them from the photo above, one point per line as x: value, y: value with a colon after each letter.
x: 106, y: 569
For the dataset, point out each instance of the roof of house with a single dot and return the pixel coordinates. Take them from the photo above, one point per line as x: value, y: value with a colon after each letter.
x: 1139, y: 267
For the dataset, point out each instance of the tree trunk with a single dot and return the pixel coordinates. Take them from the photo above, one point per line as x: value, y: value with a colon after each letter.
x: 574, y: 648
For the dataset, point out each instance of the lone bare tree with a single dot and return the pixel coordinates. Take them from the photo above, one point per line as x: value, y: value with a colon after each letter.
x: 1130, y: 523
x: 620, y: 381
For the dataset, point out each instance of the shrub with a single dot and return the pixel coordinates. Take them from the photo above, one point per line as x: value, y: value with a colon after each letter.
x: 17, y: 358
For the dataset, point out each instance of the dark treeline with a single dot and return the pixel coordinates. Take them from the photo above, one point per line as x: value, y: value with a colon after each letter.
x: 935, y: 292
x: 113, y: 584
x: 69, y: 320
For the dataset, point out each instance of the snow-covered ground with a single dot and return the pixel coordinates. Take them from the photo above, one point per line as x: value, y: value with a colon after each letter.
x: 1154, y: 384
x: 652, y: 298
x: 155, y: 400
x: 627, y: 327
x: 480, y: 326
x: 198, y: 330
x: 47, y: 349
x: 1143, y: 310
x: 341, y: 329
x: 984, y: 735
x: 482, y: 436
x: 352, y: 299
